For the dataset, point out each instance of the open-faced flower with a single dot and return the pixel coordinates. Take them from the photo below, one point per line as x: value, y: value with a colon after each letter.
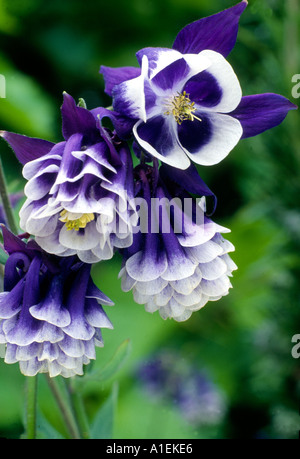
x: 178, y: 260
x: 186, y: 102
x: 50, y: 311
x: 78, y: 190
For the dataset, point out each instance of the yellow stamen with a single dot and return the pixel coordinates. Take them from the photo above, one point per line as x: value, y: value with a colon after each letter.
x: 75, y: 221
x: 182, y: 108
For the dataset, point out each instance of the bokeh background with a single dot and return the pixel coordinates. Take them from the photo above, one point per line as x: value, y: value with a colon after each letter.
x: 227, y: 372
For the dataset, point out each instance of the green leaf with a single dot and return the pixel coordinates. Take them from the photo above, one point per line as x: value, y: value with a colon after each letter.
x: 45, y: 430
x: 111, y: 368
x: 3, y: 256
x: 117, y: 361
x: 103, y: 424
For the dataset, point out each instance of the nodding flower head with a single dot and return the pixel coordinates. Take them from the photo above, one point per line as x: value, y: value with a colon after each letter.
x: 178, y: 260
x: 51, y: 312
x: 79, y: 191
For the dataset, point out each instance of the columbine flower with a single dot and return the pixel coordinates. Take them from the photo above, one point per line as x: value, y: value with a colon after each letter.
x: 78, y: 190
x: 186, y: 102
x: 178, y: 260
x: 50, y: 319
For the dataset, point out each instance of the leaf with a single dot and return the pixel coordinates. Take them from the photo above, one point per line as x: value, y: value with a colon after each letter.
x: 3, y: 256
x: 111, y: 368
x: 117, y: 361
x: 45, y: 430
x: 103, y: 424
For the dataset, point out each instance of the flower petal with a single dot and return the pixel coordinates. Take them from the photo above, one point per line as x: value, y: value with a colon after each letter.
x: 260, y: 112
x: 217, y: 32
x: 209, y: 141
x: 158, y: 137
x: 129, y: 97
x: 76, y: 119
x: 217, y: 88
x: 114, y: 76
x: 26, y: 148
x: 158, y: 58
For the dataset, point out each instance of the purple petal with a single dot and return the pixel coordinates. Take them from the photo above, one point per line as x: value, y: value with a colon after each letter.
x: 26, y: 148
x: 217, y: 32
x: 76, y: 119
x: 171, y: 76
x: 260, y: 112
x: 51, y: 308
x: 204, y: 89
x: 189, y: 179
x: 12, y: 243
x: 114, y: 76
x: 11, y: 302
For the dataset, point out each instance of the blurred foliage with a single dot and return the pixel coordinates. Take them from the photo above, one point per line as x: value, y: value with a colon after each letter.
x: 244, y: 340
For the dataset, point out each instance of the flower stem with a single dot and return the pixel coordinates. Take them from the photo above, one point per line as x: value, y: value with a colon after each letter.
x: 31, y: 398
x: 65, y: 410
x: 6, y: 202
x: 79, y: 410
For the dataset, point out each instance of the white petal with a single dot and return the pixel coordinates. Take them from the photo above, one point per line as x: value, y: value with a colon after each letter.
x: 227, y: 80
x: 214, y: 269
x: 175, y: 154
x: 226, y: 132
x: 78, y: 240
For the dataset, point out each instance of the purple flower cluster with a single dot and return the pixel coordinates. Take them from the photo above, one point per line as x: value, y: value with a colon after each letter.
x: 85, y: 200
x: 169, y: 379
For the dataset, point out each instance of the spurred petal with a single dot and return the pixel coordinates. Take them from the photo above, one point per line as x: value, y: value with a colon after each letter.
x: 26, y: 148
x: 158, y: 58
x: 217, y: 32
x: 129, y: 96
x: 260, y: 112
x: 122, y: 124
x: 114, y: 76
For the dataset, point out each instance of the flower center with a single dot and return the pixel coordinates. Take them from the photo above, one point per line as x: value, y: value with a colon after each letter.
x: 75, y: 221
x: 182, y: 108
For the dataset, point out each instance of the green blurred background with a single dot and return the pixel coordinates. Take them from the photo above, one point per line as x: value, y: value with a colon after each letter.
x: 241, y: 345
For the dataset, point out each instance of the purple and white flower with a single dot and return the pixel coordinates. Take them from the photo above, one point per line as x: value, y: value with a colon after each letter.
x: 186, y: 103
x: 50, y: 311
x: 176, y: 272
x: 79, y: 191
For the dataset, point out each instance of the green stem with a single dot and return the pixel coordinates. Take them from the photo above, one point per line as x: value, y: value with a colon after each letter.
x: 79, y: 410
x: 65, y: 410
x: 6, y: 202
x: 31, y: 398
